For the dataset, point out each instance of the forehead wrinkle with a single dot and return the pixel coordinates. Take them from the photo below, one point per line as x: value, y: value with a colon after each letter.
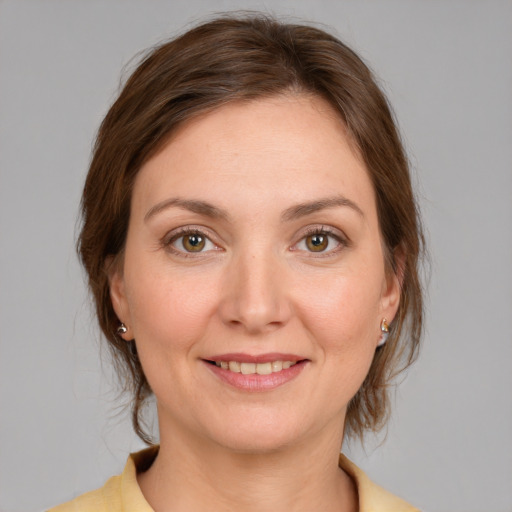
x: 193, y: 205
x: 303, y: 209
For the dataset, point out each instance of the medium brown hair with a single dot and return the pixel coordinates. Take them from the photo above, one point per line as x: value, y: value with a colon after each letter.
x: 241, y: 58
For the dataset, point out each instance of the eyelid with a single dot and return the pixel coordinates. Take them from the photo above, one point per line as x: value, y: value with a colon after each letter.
x: 321, y: 229
x: 170, y: 237
x: 175, y: 234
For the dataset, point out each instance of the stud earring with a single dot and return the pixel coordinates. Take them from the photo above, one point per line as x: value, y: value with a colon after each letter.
x: 122, y: 329
x: 384, y: 332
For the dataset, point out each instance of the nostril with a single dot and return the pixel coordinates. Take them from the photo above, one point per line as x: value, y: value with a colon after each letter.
x: 253, y: 308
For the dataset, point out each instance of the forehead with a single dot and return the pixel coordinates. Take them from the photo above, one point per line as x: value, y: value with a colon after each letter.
x: 280, y: 149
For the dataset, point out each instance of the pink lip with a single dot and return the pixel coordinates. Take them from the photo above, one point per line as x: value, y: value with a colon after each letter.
x: 260, y: 358
x: 255, y: 382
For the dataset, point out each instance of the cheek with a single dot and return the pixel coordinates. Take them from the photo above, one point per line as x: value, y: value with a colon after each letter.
x: 167, y: 310
x: 342, y: 315
x: 169, y: 317
x: 343, y: 308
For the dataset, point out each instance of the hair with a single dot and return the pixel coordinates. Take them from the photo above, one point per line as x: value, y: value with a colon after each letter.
x: 236, y: 58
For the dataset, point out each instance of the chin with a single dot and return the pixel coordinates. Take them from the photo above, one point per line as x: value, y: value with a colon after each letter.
x: 258, y: 437
x: 256, y: 444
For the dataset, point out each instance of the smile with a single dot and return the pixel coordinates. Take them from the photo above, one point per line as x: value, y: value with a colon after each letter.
x: 253, y: 373
x: 255, y: 368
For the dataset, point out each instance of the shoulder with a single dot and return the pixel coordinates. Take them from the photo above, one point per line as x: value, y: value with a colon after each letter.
x: 119, y: 494
x: 107, y: 498
x: 372, y: 497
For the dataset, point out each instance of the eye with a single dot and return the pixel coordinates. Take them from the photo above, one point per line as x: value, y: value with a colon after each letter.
x: 317, y: 243
x: 320, y: 240
x: 190, y: 241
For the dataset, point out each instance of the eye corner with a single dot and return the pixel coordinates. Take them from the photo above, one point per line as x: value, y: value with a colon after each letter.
x: 330, y: 241
x: 201, y: 239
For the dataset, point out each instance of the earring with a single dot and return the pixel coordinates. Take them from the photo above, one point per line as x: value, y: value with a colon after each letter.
x: 384, y: 332
x: 122, y: 329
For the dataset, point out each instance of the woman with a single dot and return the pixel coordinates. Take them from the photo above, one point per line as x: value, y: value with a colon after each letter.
x: 252, y: 242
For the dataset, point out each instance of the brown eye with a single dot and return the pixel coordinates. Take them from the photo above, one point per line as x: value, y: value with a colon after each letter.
x: 317, y: 242
x: 194, y: 242
x: 189, y: 242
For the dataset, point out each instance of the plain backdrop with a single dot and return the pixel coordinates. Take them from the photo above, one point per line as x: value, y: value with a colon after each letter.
x: 447, y: 68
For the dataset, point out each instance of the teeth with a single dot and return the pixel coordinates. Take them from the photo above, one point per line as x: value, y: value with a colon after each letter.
x: 264, y: 368
x: 277, y: 366
x: 252, y: 368
x: 234, y: 366
x: 248, y: 368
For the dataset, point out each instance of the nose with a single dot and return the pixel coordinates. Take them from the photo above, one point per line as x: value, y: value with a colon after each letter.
x: 255, y: 298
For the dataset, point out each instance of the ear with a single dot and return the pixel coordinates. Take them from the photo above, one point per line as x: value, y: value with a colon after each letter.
x: 390, y: 299
x: 114, y: 270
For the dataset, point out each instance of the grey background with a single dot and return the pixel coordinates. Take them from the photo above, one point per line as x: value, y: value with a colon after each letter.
x: 447, y: 67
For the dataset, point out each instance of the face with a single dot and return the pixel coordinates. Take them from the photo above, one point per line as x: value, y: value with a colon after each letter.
x: 253, y: 278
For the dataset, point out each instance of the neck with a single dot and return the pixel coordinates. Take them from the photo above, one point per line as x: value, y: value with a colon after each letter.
x: 196, y: 475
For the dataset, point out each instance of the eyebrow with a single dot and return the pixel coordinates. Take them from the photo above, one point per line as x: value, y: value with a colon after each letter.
x: 193, y: 205
x: 292, y: 213
x: 303, y: 209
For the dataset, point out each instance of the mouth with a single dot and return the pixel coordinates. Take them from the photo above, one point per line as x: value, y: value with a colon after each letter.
x: 244, y: 368
x: 256, y: 373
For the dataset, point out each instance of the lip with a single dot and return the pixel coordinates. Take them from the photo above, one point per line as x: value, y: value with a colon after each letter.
x: 256, y: 382
x: 260, y: 358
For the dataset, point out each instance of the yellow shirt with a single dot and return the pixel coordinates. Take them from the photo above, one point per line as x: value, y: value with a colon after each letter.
x: 122, y: 493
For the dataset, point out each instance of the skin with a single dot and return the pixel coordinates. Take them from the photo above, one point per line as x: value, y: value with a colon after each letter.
x: 255, y: 288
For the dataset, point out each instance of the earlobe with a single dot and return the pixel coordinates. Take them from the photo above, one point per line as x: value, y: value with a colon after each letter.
x: 384, y: 332
x: 118, y: 296
x: 390, y: 302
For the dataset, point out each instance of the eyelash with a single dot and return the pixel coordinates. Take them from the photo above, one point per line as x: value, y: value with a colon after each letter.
x: 341, y: 241
x: 168, y: 241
